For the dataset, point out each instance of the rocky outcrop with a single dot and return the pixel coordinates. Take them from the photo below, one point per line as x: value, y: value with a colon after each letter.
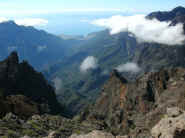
x: 134, y: 108
x: 20, y: 105
x: 97, y: 134
x: 151, y: 106
x: 171, y: 126
x: 24, y: 91
x: 175, y: 16
x: 168, y: 15
x: 41, y: 126
x: 108, y: 108
x: 53, y: 134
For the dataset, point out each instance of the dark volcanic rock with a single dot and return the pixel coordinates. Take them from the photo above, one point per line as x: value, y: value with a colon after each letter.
x: 19, y: 105
x: 176, y: 16
x: 23, y: 90
x: 167, y: 15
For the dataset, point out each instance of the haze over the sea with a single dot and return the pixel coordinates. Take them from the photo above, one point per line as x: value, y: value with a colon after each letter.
x: 73, y: 17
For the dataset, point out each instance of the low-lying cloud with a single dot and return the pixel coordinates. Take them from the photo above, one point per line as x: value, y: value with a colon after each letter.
x: 128, y: 67
x: 57, y: 84
x: 27, y: 21
x: 41, y: 48
x: 88, y: 63
x: 144, y: 30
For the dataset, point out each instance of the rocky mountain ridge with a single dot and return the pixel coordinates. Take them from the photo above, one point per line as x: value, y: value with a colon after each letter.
x: 110, y: 52
x: 134, y: 108
x: 151, y: 107
x: 38, y: 47
x: 24, y: 91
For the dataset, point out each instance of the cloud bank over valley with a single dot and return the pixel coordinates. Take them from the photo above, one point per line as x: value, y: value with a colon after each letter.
x: 88, y: 63
x: 128, y: 67
x: 143, y: 29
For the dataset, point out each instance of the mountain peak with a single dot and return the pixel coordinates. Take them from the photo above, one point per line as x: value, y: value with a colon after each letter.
x: 9, y: 22
x: 116, y: 74
x: 179, y: 9
x: 21, y: 79
x: 168, y: 15
x: 13, y: 57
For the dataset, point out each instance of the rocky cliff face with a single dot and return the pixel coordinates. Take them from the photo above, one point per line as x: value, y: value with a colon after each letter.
x: 23, y: 90
x: 168, y: 15
x: 117, y: 49
x: 133, y: 108
x: 171, y: 126
x: 177, y: 15
x: 152, y: 106
x: 97, y: 134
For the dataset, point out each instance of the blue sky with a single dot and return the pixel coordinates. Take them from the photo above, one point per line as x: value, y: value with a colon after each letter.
x: 27, y: 7
x: 70, y: 16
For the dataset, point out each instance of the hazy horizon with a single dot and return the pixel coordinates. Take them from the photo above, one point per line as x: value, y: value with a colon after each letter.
x: 73, y: 17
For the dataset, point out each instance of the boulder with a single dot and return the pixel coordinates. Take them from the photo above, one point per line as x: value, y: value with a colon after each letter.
x: 53, y: 134
x: 96, y: 134
x: 171, y: 126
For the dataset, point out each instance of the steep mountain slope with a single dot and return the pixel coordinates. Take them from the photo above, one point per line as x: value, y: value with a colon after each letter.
x: 168, y: 15
x: 133, y: 108
x: 177, y: 15
x: 24, y: 91
x: 28, y: 104
x: 111, y: 51
x: 124, y: 109
x: 36, y: 46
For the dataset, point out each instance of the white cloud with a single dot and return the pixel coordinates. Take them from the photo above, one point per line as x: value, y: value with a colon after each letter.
x: 88, y: 63
x: 144, y: 30
x: 41, y: 48
x: 31, y: 22
x: 128, y: 67
x: 57, y: 83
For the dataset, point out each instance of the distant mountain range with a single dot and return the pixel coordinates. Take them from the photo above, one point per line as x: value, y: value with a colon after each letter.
x: 60, y: 57
x: 111, y: 51
x: 36, y: 46
x: 112, y: 85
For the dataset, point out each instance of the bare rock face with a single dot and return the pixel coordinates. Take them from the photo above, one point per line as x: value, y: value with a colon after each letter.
x: 97, y: 134
x: 171, y: 126
x: 134, y: 108
x: 53, y: 134
x: 24, y: 91
x: 26, y: 137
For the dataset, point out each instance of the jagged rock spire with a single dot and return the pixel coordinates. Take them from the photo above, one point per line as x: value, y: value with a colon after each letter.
x: 13, y: 58
x: 118, y: 75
